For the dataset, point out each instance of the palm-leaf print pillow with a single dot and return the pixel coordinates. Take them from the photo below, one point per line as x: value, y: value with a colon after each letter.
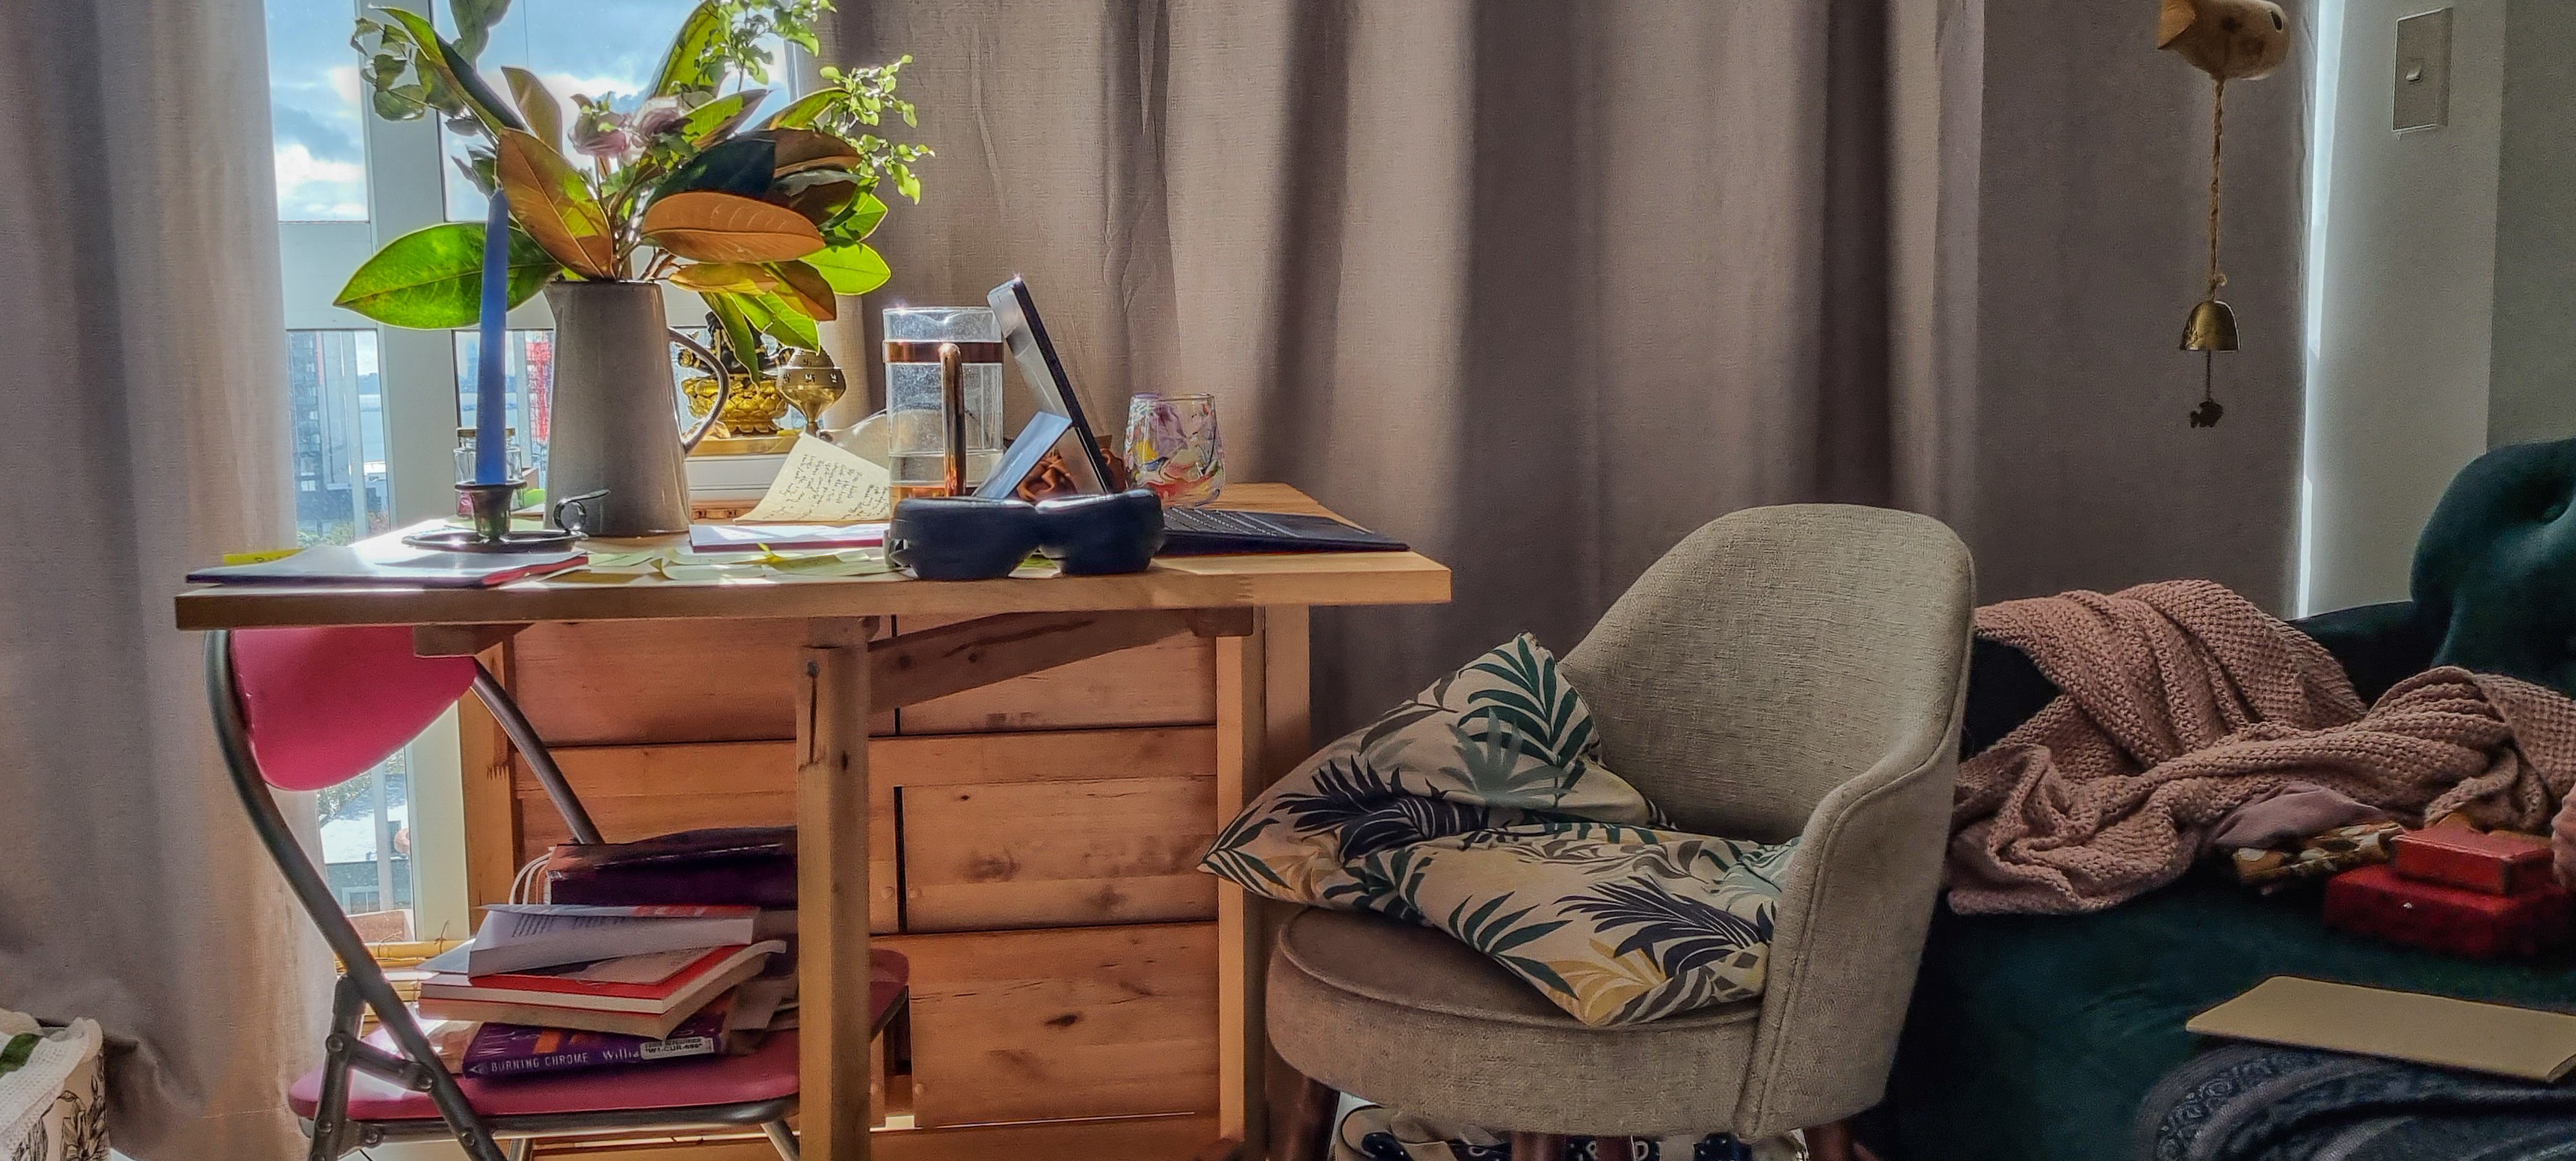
x: 1480, y: 807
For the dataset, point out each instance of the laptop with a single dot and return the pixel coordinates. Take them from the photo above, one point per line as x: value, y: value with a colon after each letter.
x: 1059, y: 426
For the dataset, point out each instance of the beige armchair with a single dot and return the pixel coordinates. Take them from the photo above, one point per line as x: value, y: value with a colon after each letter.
x: 1782, y: 671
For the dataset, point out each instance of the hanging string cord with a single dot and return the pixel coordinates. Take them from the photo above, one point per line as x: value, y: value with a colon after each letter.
x: 2217, y: 143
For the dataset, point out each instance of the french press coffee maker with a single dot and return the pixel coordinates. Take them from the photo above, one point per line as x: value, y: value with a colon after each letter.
x: 943, y: 398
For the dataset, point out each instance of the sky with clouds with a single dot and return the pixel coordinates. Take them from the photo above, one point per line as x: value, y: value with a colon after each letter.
x: 593, y: 47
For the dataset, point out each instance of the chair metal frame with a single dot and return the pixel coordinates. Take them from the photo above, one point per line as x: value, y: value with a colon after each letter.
x: 362, y: 982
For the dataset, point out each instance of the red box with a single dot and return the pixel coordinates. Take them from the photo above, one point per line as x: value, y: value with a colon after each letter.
x: 2495, y: 862
x: 2376, y: 901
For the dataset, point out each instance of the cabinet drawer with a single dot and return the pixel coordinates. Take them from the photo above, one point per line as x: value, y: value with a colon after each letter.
x: 1052, y: 854
x: 1071, y: 1022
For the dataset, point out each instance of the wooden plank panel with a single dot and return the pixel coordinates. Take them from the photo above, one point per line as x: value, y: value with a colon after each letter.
x: 1050, y: 854
x: 590, y: 683
x: 637, y: 791
x: 1171, y: 682
x: 1069, y: 1022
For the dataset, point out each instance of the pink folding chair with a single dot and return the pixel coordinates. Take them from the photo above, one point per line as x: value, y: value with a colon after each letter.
x: 306, y: 708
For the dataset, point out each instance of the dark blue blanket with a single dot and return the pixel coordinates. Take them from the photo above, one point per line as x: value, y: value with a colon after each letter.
x: 2250, y: 1102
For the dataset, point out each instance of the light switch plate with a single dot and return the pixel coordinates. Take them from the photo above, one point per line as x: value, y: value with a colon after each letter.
x: 2423, y: 71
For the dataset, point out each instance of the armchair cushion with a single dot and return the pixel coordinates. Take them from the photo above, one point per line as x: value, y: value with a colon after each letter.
x: 2493, y: 566
x: 1353, y: 999
x: 1477, y: 808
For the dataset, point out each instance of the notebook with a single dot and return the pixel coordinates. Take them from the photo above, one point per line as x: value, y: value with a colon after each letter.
x: 386, y: 560
x: 2518, y: 1042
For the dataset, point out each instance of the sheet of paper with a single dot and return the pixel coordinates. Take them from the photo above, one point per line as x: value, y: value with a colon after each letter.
x: 822, y: 484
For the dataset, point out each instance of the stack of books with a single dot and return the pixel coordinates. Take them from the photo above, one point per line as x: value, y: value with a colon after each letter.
x: 553, y: 986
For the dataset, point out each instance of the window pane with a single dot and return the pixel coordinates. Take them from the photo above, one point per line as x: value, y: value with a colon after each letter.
x: 366, y: 848
x: 601, y: 49
x: 313, y: 112
x: 530, y: 371
x: 335, y: 392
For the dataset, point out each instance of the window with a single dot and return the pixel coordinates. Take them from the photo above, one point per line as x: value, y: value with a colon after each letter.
x: 376, y: 409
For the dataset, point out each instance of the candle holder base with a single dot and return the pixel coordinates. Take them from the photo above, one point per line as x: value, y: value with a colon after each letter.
x: 489, y: 505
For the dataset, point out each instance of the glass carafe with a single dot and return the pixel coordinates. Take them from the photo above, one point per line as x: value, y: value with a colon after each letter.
x: 919, y: 401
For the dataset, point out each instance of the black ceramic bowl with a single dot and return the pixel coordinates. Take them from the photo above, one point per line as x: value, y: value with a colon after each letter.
x: 961, y: 537
x: 1091, y: 535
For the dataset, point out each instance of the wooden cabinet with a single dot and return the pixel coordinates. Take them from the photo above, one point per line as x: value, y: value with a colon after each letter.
x: 1033, y: 849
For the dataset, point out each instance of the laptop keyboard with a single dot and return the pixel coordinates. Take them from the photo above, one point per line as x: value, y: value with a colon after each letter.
x: 1220, y: 522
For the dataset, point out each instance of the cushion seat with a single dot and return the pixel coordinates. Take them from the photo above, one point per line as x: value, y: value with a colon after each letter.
x: 767, y: 1074
x: 1415, y: 1019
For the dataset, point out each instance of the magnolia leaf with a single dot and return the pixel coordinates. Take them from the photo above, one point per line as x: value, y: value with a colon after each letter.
x: 740, y: 166
x: 819, y: 194
x: 852, y: 269
x: 710, y: 122
x: 724, y: 278
x: 740, y: 337
x: 685, y: 66
x: 802, y: 149
x: 474, y: 21
x: 863, y: 217
x: 718, y: 227
x: 800, y: 113
x: 432, y: 279
x: 451, y: 66
x: 807, y: 289
x: 552, y: 200
x: 539, y: 107
x: 785, y: 322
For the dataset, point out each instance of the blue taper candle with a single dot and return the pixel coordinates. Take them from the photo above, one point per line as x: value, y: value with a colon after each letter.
x: 491, y: 407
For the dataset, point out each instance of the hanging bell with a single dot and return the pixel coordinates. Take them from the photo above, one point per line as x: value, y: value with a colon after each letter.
x: 2212, y: 327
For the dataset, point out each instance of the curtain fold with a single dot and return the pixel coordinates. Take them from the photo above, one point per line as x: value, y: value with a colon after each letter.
x: 144, y: 383
x: 1543, y: 287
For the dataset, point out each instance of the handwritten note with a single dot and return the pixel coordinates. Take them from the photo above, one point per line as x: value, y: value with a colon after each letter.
x: 824, y: 484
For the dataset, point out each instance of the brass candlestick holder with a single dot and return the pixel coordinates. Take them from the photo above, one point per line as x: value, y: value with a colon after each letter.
x: 487, y: 509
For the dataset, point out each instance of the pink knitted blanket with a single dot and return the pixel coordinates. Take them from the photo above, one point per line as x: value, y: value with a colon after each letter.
x: 2182, y: 702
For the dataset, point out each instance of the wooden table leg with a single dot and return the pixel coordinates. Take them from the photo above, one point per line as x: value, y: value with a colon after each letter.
x: 1243, y: 1048
x: 832, y: 889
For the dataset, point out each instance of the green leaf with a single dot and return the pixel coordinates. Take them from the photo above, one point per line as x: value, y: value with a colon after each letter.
x: 553, y: 201
x: 685, y: 66
x: 740, y: 167
x: 739, y: 336
x: 454, y: 68
x: 787, y: 322
x: 474, y: 21
x: 432, y: 279
x: 800, y: 113
x: 718, y: 117
x: 865, y: 215
x: 543, y: 113
x: 853, y: 269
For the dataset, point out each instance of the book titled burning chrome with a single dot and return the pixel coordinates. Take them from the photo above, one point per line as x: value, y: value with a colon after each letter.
x: 520, y: 1050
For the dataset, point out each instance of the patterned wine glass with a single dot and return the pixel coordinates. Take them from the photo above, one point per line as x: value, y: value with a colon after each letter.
x: 1173, y: 447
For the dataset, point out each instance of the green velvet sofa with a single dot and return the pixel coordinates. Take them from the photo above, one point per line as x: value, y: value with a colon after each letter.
x: 2034, y: 1038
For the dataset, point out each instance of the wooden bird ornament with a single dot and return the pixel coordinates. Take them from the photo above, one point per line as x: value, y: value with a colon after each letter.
x: 2229, y: 40
x: 2232, y: 40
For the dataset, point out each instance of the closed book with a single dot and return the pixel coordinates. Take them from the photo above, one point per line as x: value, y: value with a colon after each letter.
x: 523, y: 1050
x: 597, y: 998
x: 519, y: 936
x: 2377, y: 901
x: 2494, y: 862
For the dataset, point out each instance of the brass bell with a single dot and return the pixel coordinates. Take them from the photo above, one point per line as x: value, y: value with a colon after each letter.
x: 2211, y: 327
x: 812, y: 382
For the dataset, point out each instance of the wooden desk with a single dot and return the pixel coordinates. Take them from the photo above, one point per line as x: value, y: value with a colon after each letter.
x: 1253, y: 606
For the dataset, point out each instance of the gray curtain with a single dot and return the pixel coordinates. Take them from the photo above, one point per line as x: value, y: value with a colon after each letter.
x: 1541, y: 287
x: 142, y: 368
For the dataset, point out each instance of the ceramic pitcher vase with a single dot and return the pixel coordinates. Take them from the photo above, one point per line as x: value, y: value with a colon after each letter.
x: 615, y: 455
